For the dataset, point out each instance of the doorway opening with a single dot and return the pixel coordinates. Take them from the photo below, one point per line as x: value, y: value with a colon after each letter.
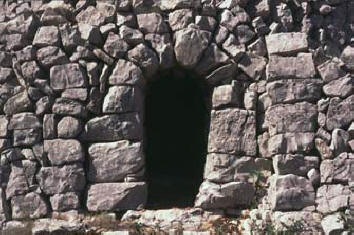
x: 176, y: 133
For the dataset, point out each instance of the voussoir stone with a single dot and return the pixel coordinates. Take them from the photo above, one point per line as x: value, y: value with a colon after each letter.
x: 162, y: 44
x: 294, y: 90
x: 290, y: 192
x: 61, y: 151
x: 68, y: 178
x: 122, y: 99
x: 190, y: 45
x: 126, y: 73
x: 213, y: 57
x: 29, y: 206
x: 67, y: 76
x: 253, y: 65
x: 286, y: 43
x: 299, y: 117
x: 146, y: 58
x: 112, y: 162
x: 301, y: 66
x: 116, y: 196
x: 225, y: 124
x: 113, y: 128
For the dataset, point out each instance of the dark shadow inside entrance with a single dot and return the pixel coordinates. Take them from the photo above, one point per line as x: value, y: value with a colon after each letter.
x: 176, y: 127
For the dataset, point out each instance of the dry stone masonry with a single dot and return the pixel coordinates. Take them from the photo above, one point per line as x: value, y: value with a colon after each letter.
x: 73, y: 78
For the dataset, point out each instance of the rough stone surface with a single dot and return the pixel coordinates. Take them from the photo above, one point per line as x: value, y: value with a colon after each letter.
x: 29, y: 206
x: 123, y: 99
x: 61, y: 151
x: 286, y: 43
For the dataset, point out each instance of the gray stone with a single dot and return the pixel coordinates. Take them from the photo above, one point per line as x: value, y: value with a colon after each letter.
x: 336, y: 170
x: 207, y: 23
x: 4, y: 59
x: 6, y: 74
x: 286, y: 43
x: 225, y: 124
x: 314, y: 176
x: 130, y: 35
x: 56, y: 14
x: 79, y: 94
x: 3, y: 126
x: 258, y: 47
x: 116, y: 196
x: 30, y: 71
x: 146, y: 58
x: 127, y: 19
x: 152, y: 23
x: 47, y: 36
x: 244, y: 33
x: 69, y: 127
x: 63, y: 106
x: 61, y: 151
x: 294, y: 90
x: 70, y: 36
x: 49, y: 126
x: 92, y: 16
x: 290, y: 192
x: 230, y: 195
x: 253, y: 65
x: 296, y: 164
x: 290, y: 67
x: 331, y: 70
x: 190, y: 45
x: 298, y: 117
x: 163, y: 46
x: 68, y: 178
x: 112, y: 162
x: 126, y: 73
x: 67, y: 76
x: 113, y: 128
x: 180, y: 19
x: 333, y: 224
x: 339, y: 143
x: 27, y: 137
x: 341, y: 87
x: 22, y: 121
x: 228, y: 20
x: 291, y: 143
x: 222, y: 73
x: 221, y: 34
x: 43, y: 106
x: 123, y: 99
x: 348, y: 57
x: 65, y: 202
x: 90, y: 33
x: 29, y: 206
x: 332, y: 198
x: 115, y: 47
x: 101, y: 55
x: 213, y: 57
x: 17, y: 183
x: 226, y: 96
x: 340, y: 112
x: 234, y: 47
x: 250, y: 100
x: 18, y: 103
x: 51, y: 55
x: 323, y: 148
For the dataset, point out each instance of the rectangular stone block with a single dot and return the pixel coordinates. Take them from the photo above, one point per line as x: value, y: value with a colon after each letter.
x: 116, y: 196
x: 67, y: 76
x: 60, y: 151
x: 291, y: 143
x: 27, y: 137
x: 332, y: 198
x: 286, y: 43
x: 296, y: 164
x: 294, y: 118
x: 226, y: 96
x: 233, y: 131
x: 65, y: 202
x: 63, y: 106
x: 294, y: 90
x: 337, y: 170
x: 301, y: 66
x: 22, y: 121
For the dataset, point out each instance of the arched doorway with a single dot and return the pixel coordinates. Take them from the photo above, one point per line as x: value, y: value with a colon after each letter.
x: 176, y: 129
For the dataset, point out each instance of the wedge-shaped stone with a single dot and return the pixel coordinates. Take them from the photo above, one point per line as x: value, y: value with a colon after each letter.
x: 3, y: 126
x: 294, y: 90
x: 301, y: 66
x: 29, y: 206
x: 340, y: 112
x: 146, y: 58
x: 291, y: 143
x: 126, y: 73
x: 47, y: 36
x: 230, y: 195
x: 123, y: 99
x: 213, y: 57
x: 290, y: 192
x: 332, y: 198
x: 68, y: 178
x: 233, y: 131
x: 112, y: 162
x: 116, y: 196
x: 299, y: 117
x: 296, y: 164
x: 67, y: 76
x: 114, y: 127
x: 286, y: 43
x: 61, y: 151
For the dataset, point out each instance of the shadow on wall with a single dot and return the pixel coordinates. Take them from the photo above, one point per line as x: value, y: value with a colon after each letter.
x: 176, y: 131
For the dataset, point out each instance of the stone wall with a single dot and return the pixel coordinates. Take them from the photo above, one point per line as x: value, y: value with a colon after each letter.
x: 72, y: 83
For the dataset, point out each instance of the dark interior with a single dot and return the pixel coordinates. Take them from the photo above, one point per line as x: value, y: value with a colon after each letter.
x: 176, y: 127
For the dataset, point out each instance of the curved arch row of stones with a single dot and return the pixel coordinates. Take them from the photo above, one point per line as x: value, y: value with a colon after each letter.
x: 72, y: 82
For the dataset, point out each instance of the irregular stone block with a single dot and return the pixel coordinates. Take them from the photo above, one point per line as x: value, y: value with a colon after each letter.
x: 223, y: 73
x: 123, y: 99
x: 90, y: 33
x: 296, y: 164
x: 332, y: 198
x: 130, y: 35
x: 3, y: 126
x: 69, y: 127
x: 92, y: 16
x: 27, y: 137
x: 299, y: 117
x: 65, y: 202
x: 17, y: 104
x: 116, y: 196
x: 207, y: 23
x: 340, y: 113
x: 230, y: 195
x: 238, y: 127
x: 294, y: 90
x: 61, y: 151
x: 333, y: 224
x: 126, y: 73
x: 63, y: 106
x: 189, y: 46
x: 348, y: 57
x: 152, y: 23
x: 47, y: 36
x: 234, y: 47
x: 180, y: 19
x: 115, y: 47
x: 51, y: 55
x: 290, y: 192
x: 339, y: 141
x: 291, y: 143
x: 4, y: 144
x: 323, y: 148
x: 113, y: 128
x: 68, y: 178
x: 336, y: 170
x: 253, y: 65
x: 112, y: 162
x: 29, y: 206
x: 17, y: 183
x: 226, y: 96
x: 67, y: 76
x: 79, y: 94
x: 290, y: 67
x: 212, y: 58
x: 49, y: 126
x: 22, y: 121
x: 163, y: 46
x: 286, y: 43
x: 341, y: 87
x: 331, y: 70
x: 146, y: 58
